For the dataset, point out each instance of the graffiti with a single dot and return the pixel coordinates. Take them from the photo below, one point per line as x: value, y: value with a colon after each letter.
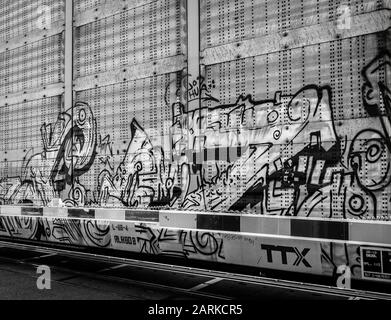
x: 69, y: 150
x: 291, y: 254
x: 181, y: 243
x: 351, y: 192
x: 149, y: 241
x: 23, y: 227
x: 290, y: 151
x: 199, y: 89
x: 267, y: 129
x: 279, y: 156
x: 376, y: 90
x: 142, y: 179
x: 105, y: 152
x: 335, y: 255
x: 203, y: 243
x: 64, y: 231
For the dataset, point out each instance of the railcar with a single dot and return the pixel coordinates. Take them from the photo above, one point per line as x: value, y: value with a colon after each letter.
x: 252, y: 133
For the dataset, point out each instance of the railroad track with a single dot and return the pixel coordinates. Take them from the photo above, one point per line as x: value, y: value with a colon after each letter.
x: 215, y: 276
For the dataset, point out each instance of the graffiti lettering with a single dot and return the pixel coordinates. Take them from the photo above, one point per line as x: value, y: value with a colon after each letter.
x: 199, y: 88
x: 278, y: 156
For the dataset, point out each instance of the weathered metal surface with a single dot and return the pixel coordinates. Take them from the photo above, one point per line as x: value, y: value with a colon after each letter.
x: 131, y: 72
x: 226, y: 21
x: 19, y: 18
x: 368, y: 23
x: 304, y: 254
x: 51, y: 90
x: 31, y: 66
x: 86, y: 13
x: 134, y: 36
x: 37, y: 35
x: 289, y: 116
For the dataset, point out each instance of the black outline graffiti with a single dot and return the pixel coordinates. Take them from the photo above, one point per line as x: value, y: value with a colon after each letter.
x: 66, y: 231
x: 192, y: 242
x: 264, y: 133
x: 69, y: 151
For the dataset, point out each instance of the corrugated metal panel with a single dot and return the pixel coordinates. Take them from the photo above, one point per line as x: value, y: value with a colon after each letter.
x: 289, y: 117
x: 146, y: 33
x: 127, y: 70
x: 22, y: 123
x: 19, y: 18
x: 338, y: 63
x: 84, y: 5
x: 312, y: 145
x: 32, y: 66
x: 31, y: 85
x: 119, y: 110
x: 225, y: 21
x: 21, y: 156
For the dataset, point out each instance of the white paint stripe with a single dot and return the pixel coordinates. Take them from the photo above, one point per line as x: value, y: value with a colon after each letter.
x: 114, y: 268
x: 40, y: 257
x: 206, y: 284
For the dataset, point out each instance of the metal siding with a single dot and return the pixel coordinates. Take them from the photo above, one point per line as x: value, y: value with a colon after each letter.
x: 239, y: 84
x: 140, y: 140
x: 32, y: 66
x: 84, y: 5
x: 147, y: 33
x: 31, y: 81
x: 19, y: 18
x: 225, y: 21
